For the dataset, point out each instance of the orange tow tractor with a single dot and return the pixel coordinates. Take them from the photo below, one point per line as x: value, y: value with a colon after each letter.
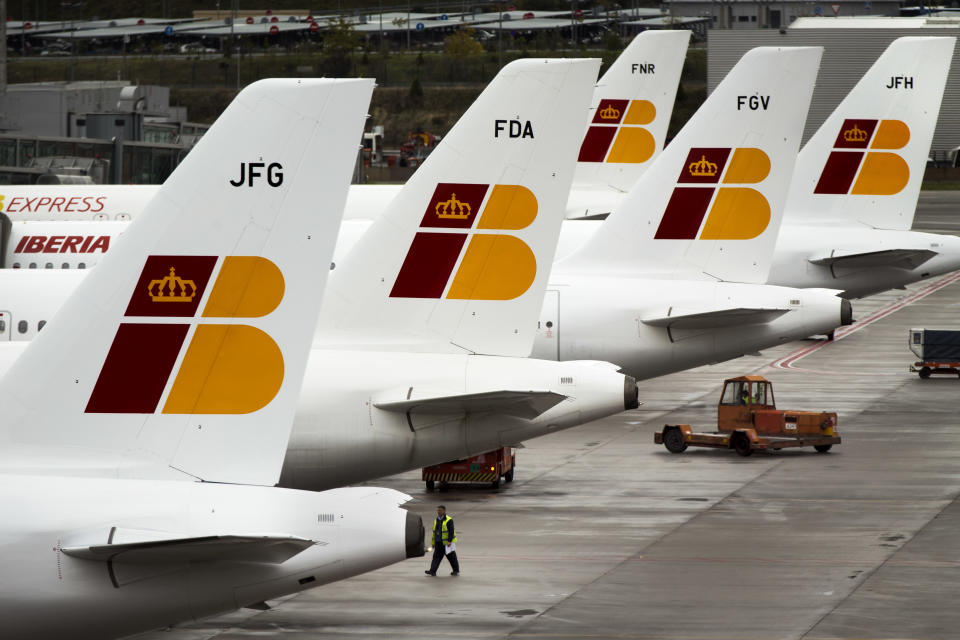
x: 487, y: 467
x: 748, y: 420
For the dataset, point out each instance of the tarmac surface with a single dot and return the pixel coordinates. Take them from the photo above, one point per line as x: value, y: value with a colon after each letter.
x: 605, y: 535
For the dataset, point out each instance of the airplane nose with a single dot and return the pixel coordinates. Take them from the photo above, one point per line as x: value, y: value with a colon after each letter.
x: 846, y: 313
x: 414, y: 536
x: 631, y: 394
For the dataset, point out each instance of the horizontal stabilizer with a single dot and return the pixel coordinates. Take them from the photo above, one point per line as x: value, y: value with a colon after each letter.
x: 715, y: 318
x: 517, y: 404
x: 267, y: 548
x: 897, y: 258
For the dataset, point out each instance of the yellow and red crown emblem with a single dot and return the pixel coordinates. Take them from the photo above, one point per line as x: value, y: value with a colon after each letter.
x: 453, y: 209
x: 610, y: 113
x: 703, y: 167
x: 856, y: 134
x: 172, y: 288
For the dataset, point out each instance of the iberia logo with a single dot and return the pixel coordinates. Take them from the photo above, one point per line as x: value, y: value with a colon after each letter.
x: 492, y: 266
x: 620, y: 119
x: 226, y: 368
x: 874, y: 173
x: 735, y: 212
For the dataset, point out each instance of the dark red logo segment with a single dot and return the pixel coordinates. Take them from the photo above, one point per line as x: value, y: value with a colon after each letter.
x: 428, y: 265
x: 610, y: 111
x: 171, y: 286
x: 454, y: 206
x: 839, y: 172
x: 855, y: 134
x: 596, y: 143
x: 147, y: 350
x: 684, y: 213
x: 704, y: 165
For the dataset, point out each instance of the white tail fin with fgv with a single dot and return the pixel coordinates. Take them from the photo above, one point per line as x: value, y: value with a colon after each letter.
x: 711, y: 204
x: 459, y: 261
x: 185, y: 349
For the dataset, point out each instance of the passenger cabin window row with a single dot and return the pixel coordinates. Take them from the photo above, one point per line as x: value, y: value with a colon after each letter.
x: 23, y: 326
x: 49, y: 265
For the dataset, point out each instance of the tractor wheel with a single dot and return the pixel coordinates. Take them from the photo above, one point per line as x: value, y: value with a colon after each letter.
x: 496, y: 483
x: 924, y: 372
x: 822, y: 448
x: 741, y: 444
x: 508, y: 476
x: 673, y: 441
x: 430, y: 485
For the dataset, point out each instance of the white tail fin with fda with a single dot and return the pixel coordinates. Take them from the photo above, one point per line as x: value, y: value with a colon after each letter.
x: 710, y: 206
x: 631, y: 110
x: 459, y: 261
x: 185, y: 349
x: 865, y: 164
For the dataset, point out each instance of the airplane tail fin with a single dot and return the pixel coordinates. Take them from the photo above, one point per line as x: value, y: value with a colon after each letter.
x: 865, y: 164
x: 459, y: 260
x: 185, y: 349
x: 631, y: 110
x: 711, y: 204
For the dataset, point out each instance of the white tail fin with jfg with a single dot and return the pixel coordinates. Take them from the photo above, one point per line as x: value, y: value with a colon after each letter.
x: 185, y: 349
x: 711, y: 204
x: 865, y: 164
x: 459, y: 260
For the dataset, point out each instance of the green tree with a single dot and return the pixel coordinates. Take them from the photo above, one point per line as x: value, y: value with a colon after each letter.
x: 461, y: 45
x: 339, y: 43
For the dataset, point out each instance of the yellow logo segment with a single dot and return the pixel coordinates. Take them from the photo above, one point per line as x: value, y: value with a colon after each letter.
x: 228, y: 369
x: 632, y: 145
x: 891, y: 134
x: 640, y: 112
x: 883, y: 174
x: 511, y: 207
x: 738, y: 213
x: 247, y: 287
x: 495, y: 267
x: 749, y: 165
x: 172, y: 288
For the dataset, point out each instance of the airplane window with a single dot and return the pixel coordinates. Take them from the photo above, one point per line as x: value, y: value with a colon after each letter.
x: 82, y: 265
x: 65, y: 265
x: 22, y: 326
x: 16, y: 265
x: 3, y: 326
x: 41, y: 324
x: 33, y: 265
x: 49, y: 265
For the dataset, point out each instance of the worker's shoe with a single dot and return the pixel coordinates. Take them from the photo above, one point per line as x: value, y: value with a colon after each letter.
x: 430, y: 573
x: 454, y: 573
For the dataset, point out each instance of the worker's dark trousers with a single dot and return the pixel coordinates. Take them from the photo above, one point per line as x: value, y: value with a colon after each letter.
x: 438, y: 558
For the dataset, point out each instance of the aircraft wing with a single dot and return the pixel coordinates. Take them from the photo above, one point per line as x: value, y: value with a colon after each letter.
x: 713, y: 318
x: 897, y: 258
x: 518, y: 404
x: 267, y: 548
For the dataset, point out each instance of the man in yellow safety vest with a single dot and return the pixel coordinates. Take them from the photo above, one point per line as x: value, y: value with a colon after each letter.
x: 444, y: 543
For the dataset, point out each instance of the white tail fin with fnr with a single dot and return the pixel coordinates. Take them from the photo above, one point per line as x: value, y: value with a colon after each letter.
x: 865, y: 164
x: 185, y: 348
x: 459, y: 260
x: 631, y: 110
x: 711, y: 204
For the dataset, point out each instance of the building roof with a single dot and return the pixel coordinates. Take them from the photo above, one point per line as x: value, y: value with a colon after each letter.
x: 874, y: 22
